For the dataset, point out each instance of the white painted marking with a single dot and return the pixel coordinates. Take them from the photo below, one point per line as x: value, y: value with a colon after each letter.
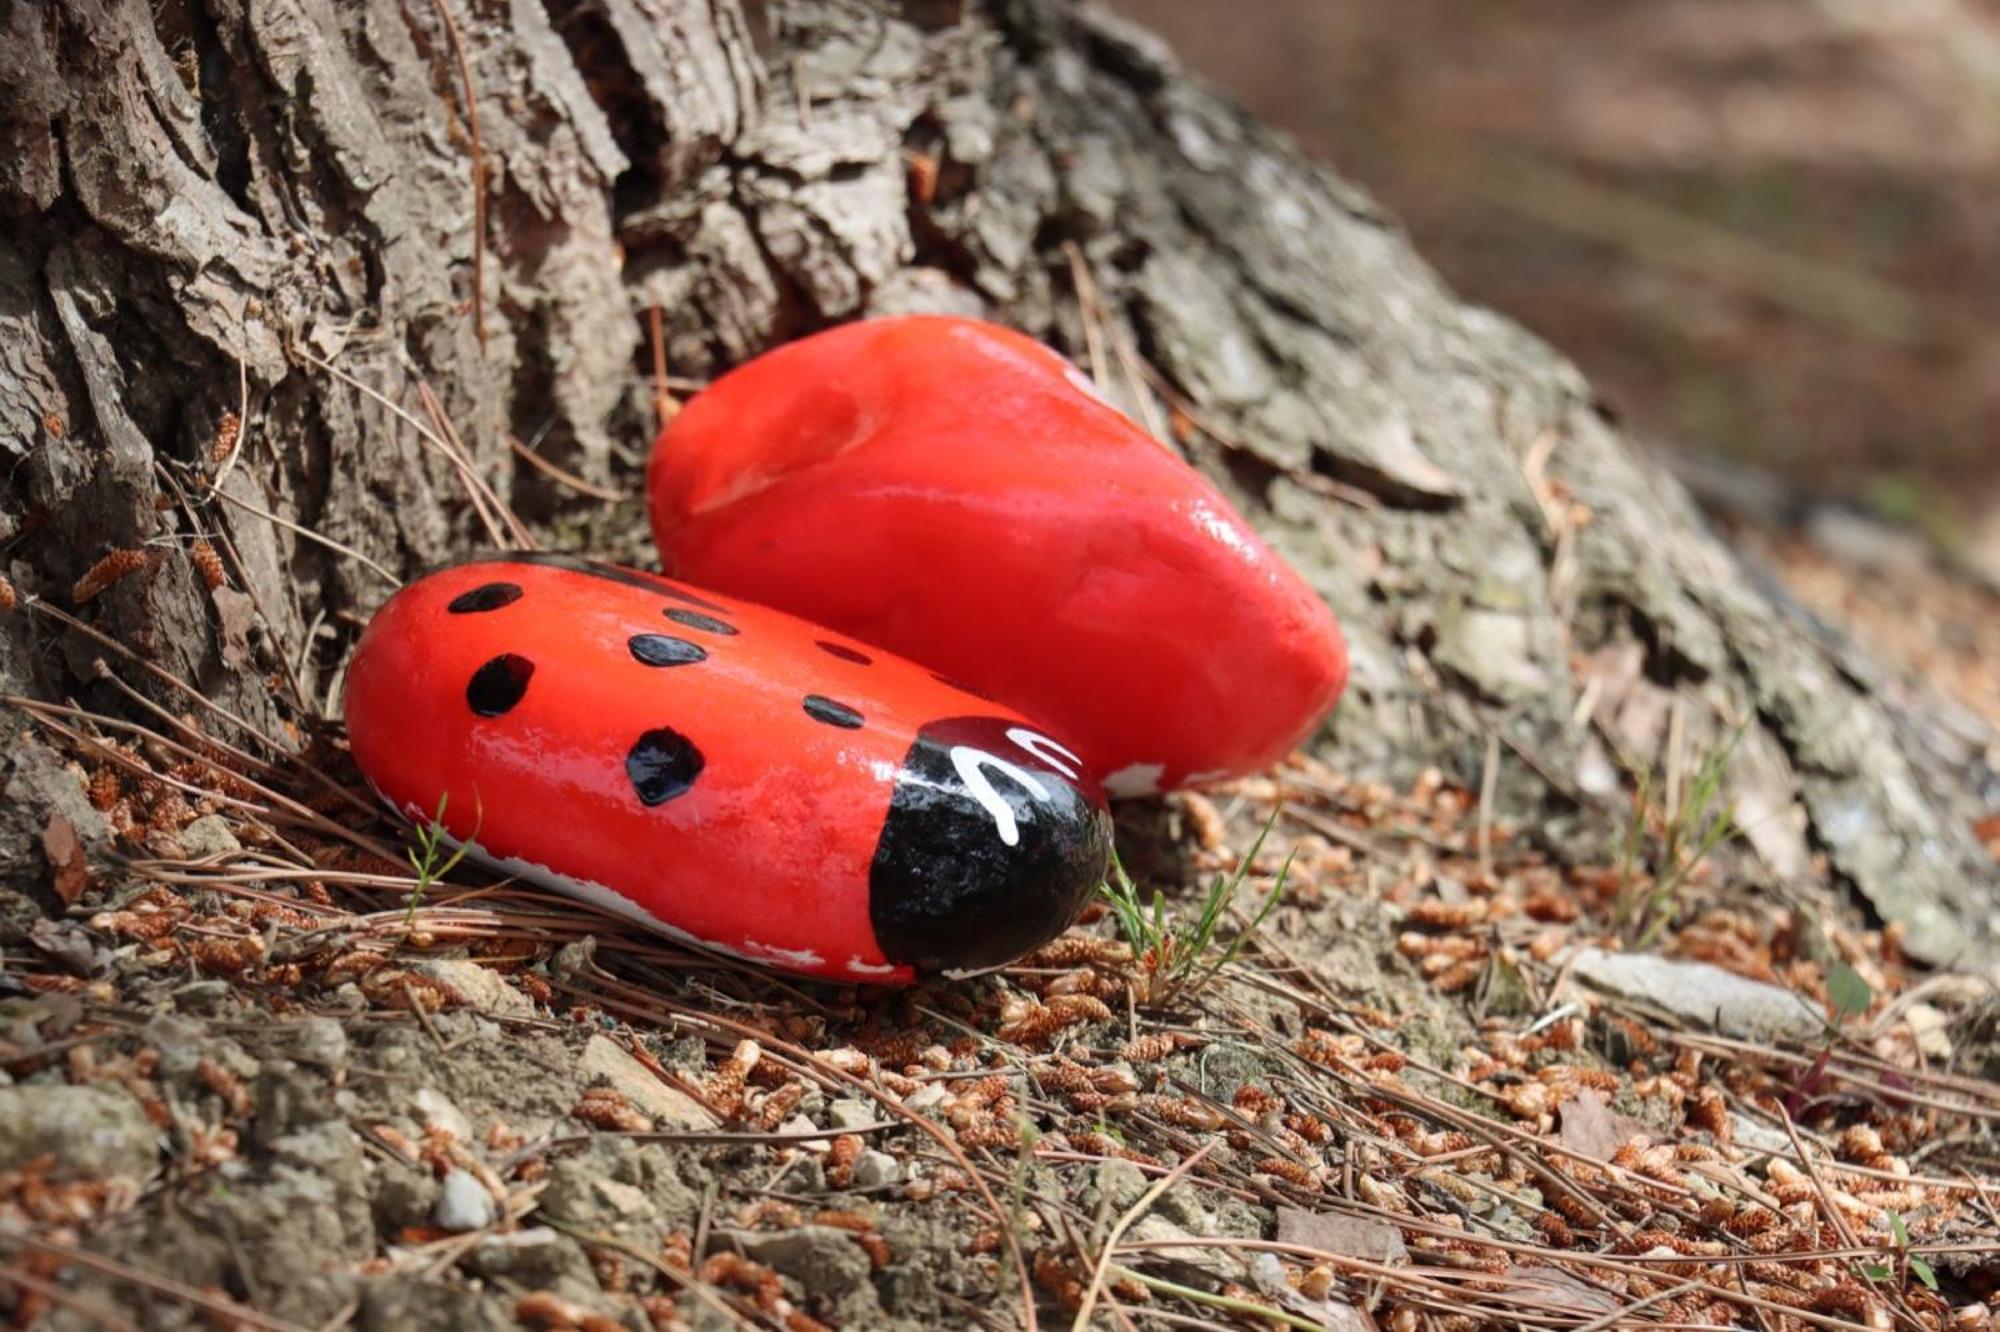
x: 1057, y: 756
x: 791, y: 957
x: 972, y: 764
x: 1136, y: 779
x: 618, y: 904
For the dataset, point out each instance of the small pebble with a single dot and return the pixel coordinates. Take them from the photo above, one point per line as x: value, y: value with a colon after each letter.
x: 927, y: 1096
x: 847, y: 1114
x: 874, y: 1170
x: 463, y: 1203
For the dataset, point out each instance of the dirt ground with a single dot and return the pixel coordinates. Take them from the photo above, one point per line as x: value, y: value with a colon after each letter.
x: 250, y: 1081
x: 259, y: 1072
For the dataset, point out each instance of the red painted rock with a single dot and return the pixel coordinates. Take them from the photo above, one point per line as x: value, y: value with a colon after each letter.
x: 722, y: 772
x: 957, y: 493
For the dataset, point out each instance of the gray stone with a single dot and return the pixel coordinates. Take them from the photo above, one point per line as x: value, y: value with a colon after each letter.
x: 1752, y: 1136
x: 91, y: 1131
x: 875, y: 1170
x: 798, y: 1126
x: 538, y: 1258
x: 1700, y: 993
x: 482, y: 987
x: 208, y: 835
x: 433, y: 1109
x: 671, y: 1108
x: 850, y: 1114
x: 927, y: 1097
x: 202, y: 996
x: 824, y: 1260
x: 403, y: 1195
x: 464, y: 1203
x: 320, y: 1041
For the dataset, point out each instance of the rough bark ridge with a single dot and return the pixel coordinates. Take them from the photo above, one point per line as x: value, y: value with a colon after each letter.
x: 270, y: 203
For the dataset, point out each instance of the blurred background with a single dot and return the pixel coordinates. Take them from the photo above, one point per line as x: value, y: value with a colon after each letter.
x: 1769, y: 230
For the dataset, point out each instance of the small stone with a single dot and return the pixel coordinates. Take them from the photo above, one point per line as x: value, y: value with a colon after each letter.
x: 848, y: 1115
x: 875, y: 1170
x: 1267, y: 1274
x: 671, y: 1108
x: 1153, y: 1229
x: 624, y: 1199
x: 927, y: 1097
x: 91, y: 1131
x: 433, y: 1109
x: 463, y: 1203
x: 320, y: 1041
x: 1929, y: 1029
x: 537, y: 1258
x: 1700, y: 993
x: 1120, y: 1184
x: 403, y: 1196
x: 207, y: 836
x: 1752, y: 1136
x: 825, y: 1261
x: 483, y: 988
x: 798, y: 1126
x: 202, y: 996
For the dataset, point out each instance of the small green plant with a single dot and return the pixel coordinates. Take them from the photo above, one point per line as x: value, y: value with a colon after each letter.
x: 1685, y: 835
x: 1179, y: 957
x: 429, y: 861
x: 1849, y: 994
x: 1906, y: 1264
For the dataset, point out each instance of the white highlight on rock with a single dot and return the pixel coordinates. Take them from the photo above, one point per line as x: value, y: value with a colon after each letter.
x: 856, y: 967
x: 1057, y: 756
x: 1223, y: 530
x: 972, y: 764
x: 1136, y: 779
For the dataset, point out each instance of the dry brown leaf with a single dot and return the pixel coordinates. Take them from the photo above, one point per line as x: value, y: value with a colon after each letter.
x: 235, y: 612
x: 65, y: 852
x: 1349, y: 1236
x: 1591, y: 1127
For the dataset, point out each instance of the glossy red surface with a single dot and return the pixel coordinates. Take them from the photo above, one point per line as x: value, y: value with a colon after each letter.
x: 955, y: 492
x: 515, y: 691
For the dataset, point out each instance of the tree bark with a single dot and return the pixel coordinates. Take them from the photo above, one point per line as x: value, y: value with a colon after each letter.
x: 268, y: 209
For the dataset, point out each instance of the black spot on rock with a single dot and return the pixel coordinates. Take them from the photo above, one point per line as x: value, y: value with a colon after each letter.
x: 499, y: 684
x: 665, y: 650
x: 485, y: 597
x: 820, y: 708
x: 696, y: 620
x: 844, y: 653
x: 663, y: 764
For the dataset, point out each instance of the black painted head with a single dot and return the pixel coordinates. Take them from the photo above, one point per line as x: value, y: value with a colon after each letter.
x: 993, y: 843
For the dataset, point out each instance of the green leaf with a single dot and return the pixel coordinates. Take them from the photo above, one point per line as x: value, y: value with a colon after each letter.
x: 1899, y: 1230
x: 1924, y: 1273
x: 1877, y: 1271
x: 1848, y: 992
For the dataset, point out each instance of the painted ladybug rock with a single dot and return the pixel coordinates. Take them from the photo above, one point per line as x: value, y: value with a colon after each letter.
x: 957, y: 493
x: 722, y: 772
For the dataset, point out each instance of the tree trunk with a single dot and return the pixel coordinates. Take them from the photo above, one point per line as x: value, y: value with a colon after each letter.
x: 281, y: 210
